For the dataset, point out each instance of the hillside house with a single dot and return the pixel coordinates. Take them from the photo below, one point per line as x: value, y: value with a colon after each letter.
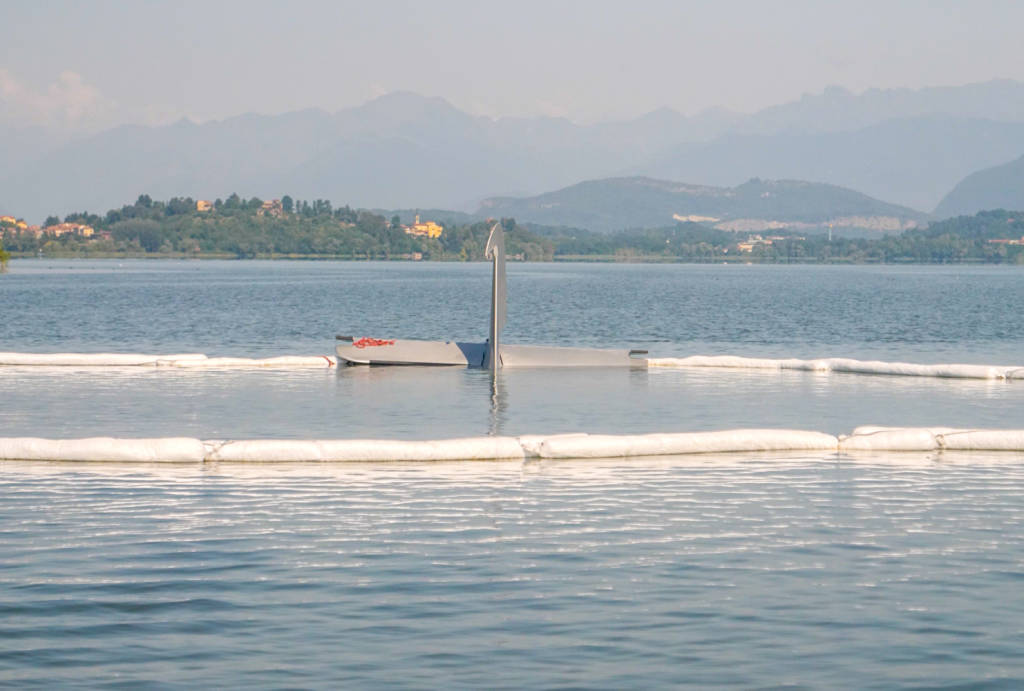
x: 752, y: 242
x: 427, y: 229
x: 79, y: 229
x: 272, y: 207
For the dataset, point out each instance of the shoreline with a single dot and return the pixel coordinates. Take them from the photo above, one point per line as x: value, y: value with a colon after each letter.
x: 584, y: 259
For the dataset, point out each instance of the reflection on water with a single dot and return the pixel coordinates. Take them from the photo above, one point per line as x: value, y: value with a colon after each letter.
x: 499, y: 404
x: 760, y: 571
x: 442, y: 402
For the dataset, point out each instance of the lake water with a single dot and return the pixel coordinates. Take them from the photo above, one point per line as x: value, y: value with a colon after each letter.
x: 897, y: 570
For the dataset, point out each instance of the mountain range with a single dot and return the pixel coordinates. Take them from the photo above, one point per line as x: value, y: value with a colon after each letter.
x: 402, y: 150
x: 913, y: 161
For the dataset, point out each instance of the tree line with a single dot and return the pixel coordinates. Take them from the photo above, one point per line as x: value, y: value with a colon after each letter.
x: 954, y: 240
x: 237, y: 227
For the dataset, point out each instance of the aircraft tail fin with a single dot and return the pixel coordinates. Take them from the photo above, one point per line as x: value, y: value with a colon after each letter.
x: 495, y: 251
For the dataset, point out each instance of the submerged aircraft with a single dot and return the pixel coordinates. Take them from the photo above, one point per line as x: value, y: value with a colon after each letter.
x: 491, y: 354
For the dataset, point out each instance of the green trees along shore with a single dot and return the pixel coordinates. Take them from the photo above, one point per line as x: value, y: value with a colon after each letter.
x: 251, y: 228
x: 240, y: 228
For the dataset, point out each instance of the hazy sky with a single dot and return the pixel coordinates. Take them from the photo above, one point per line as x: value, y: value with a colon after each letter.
x: 90, y: 64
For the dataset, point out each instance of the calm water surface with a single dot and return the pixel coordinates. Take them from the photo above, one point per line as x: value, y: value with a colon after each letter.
x: 899, y: 570
x: 916, y: 314
x: 817, y: 573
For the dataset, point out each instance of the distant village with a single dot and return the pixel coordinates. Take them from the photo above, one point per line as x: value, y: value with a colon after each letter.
x: 56, y: 230
x: 273, y: 208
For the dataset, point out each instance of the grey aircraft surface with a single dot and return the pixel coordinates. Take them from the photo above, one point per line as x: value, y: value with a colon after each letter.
x: 491, y: 354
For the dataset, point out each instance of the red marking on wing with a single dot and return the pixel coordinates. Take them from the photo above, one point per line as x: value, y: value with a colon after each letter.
x: 371, y: 342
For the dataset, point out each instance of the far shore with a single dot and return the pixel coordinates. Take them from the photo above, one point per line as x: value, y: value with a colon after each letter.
x: 584, y: 259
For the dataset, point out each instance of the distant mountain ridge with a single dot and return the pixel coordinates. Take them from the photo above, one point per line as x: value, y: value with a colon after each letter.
x: 914, y: 161
x: 403, y: 150
x: 636, y: 202
x: 837, y: 109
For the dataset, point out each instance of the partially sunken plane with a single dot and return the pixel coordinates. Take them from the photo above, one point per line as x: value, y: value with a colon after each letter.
x: 491, y: 354
x: 369, y: 351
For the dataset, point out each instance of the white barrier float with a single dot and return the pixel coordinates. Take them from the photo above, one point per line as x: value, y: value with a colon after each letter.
x: 846, y: 365
x: 340, y: 450
x: 982, y: 440
x: 92, y: 359
x: 161, y: 450
x: 179, y: 360
x: 932, y: 439
x: 892, y: 439
x: 559, y: 446
x: 282, y: 362
x: 725, y: 441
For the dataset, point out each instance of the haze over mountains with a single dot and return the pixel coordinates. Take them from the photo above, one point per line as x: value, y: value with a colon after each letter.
x: 906, y: 147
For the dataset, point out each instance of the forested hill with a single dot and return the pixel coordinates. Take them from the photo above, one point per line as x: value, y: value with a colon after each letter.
x: 639, y: 202
x: 985, y: 225
x: 241, y: 228
x: 1000, y: 187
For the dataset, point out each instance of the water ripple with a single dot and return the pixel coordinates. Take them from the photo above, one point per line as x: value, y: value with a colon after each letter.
x: 684, y: 572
